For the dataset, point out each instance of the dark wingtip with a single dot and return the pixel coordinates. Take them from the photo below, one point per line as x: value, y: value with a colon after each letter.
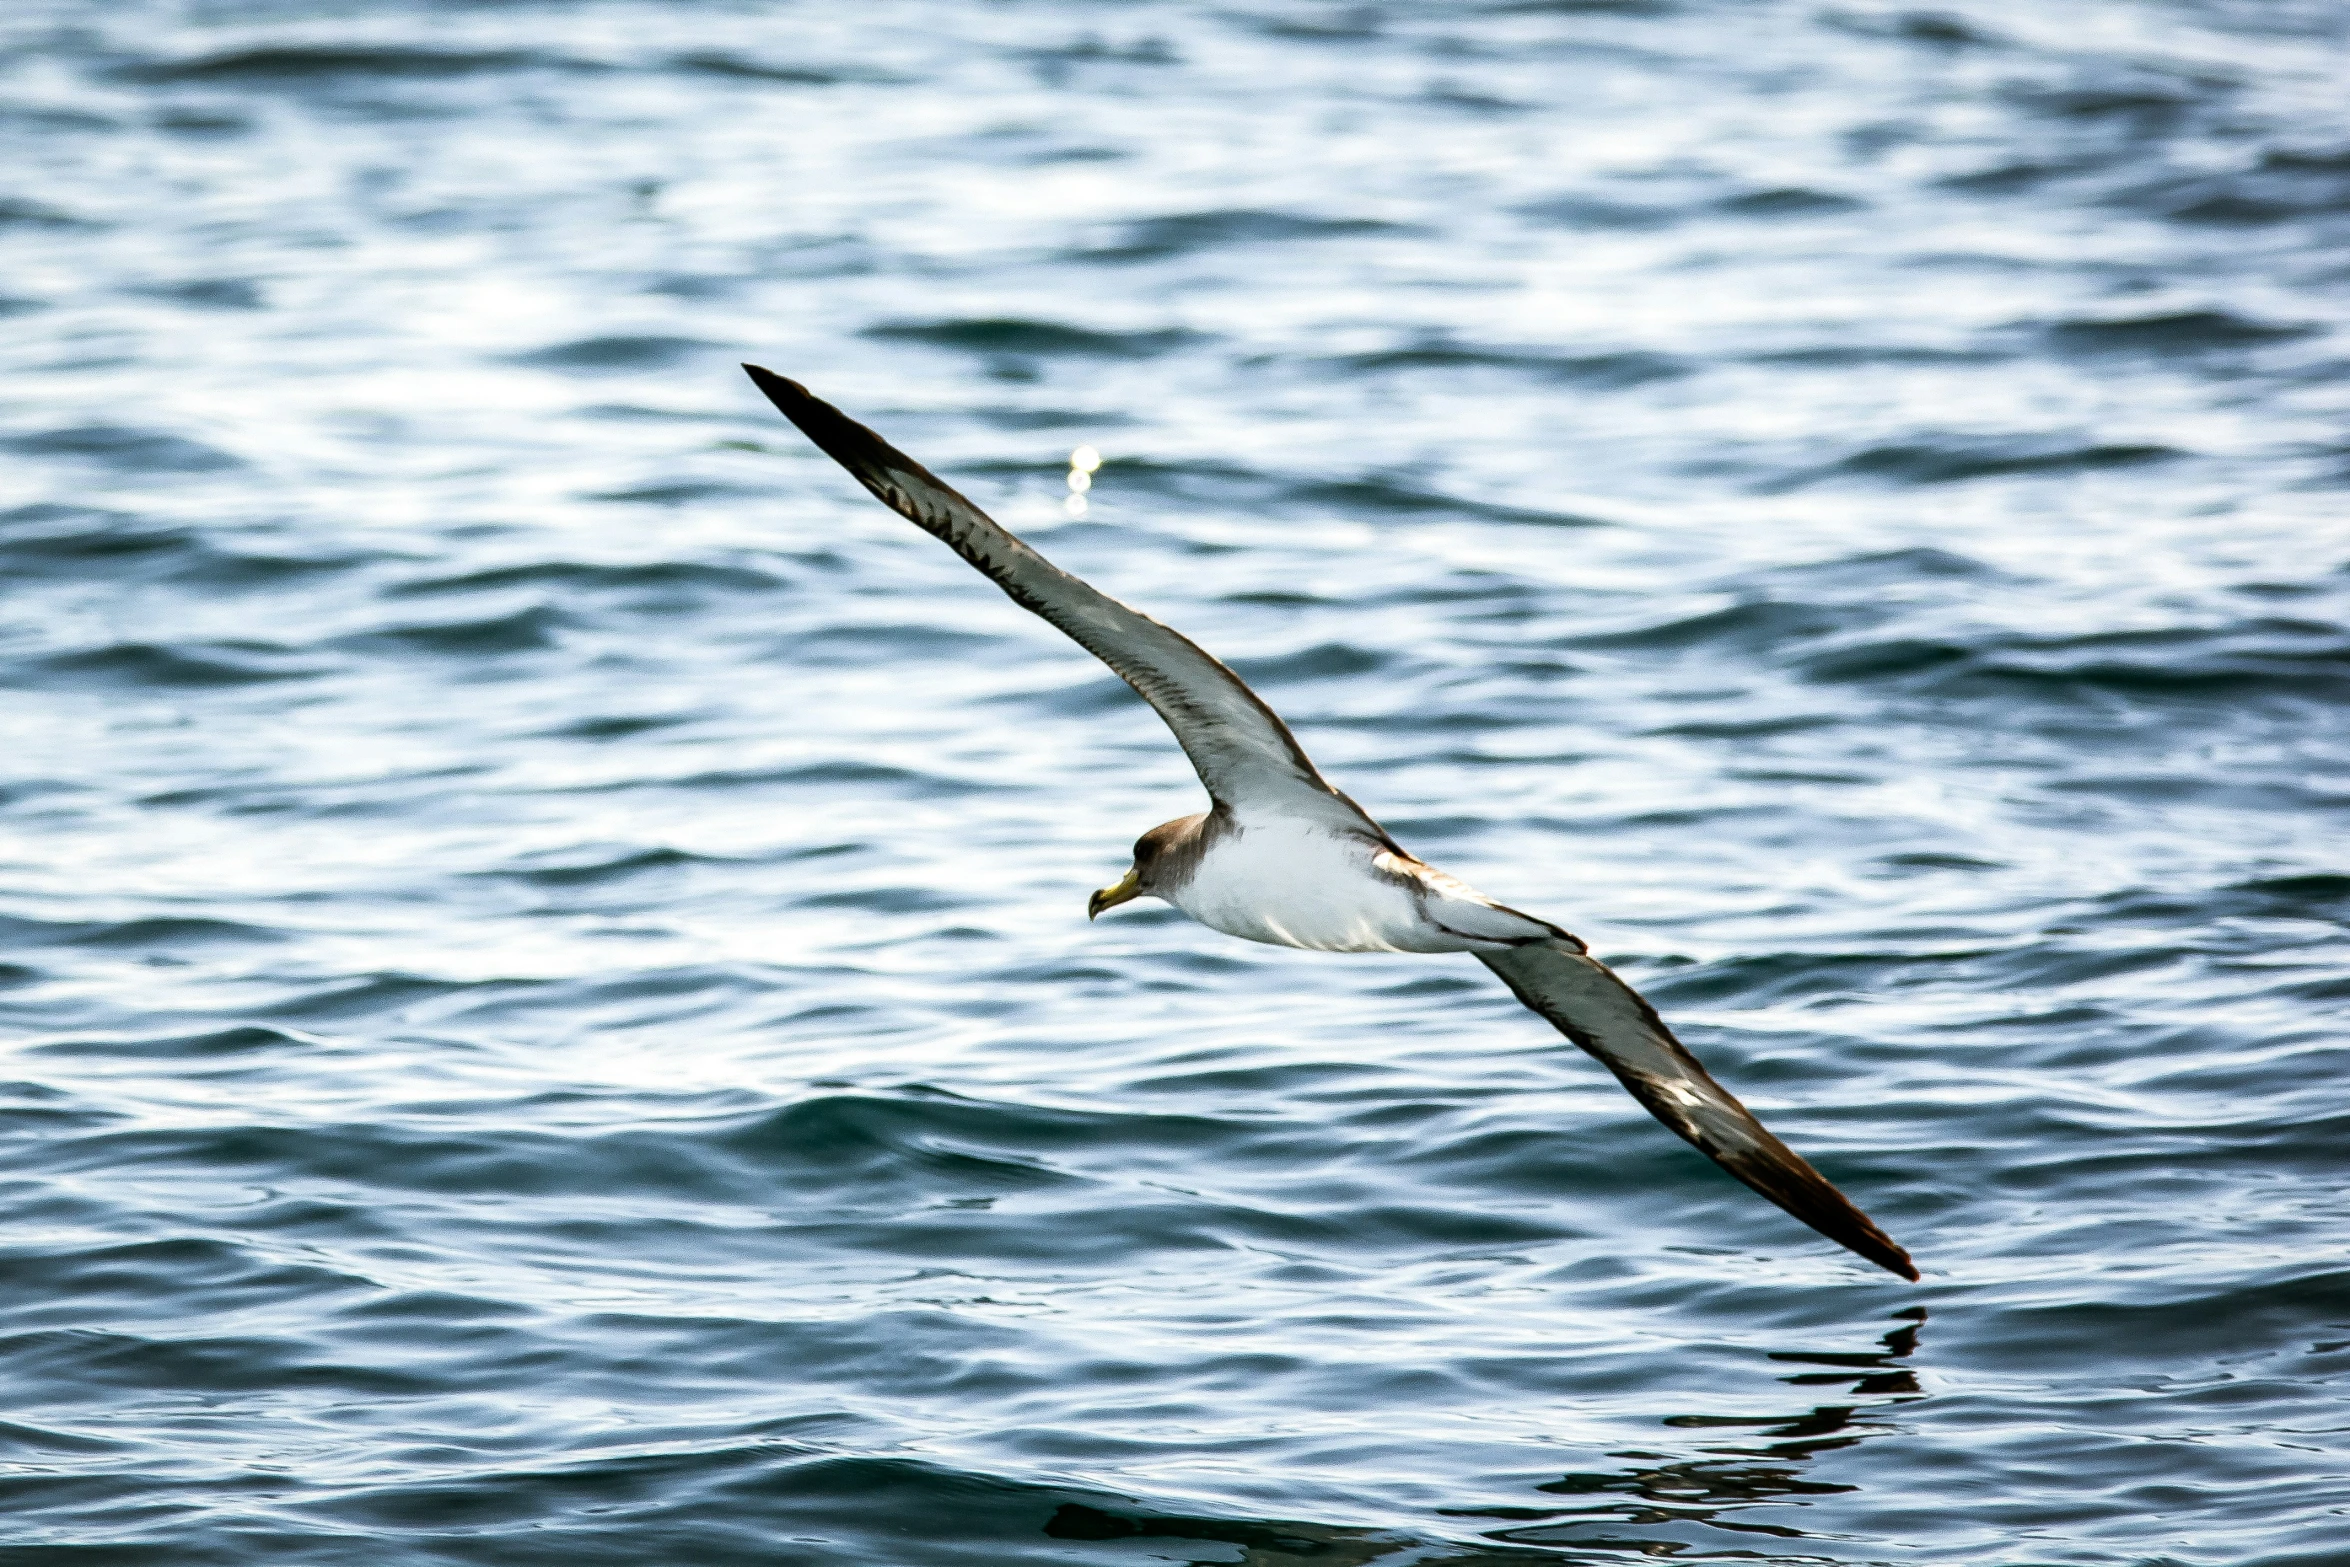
x: 786, y: 394
x: 838, y: 436
x: 1795, y: 1186
x: 801, y: 406
x: 1872, y: 1243
x: 1786, y: 1179
x: 1894, y: 1261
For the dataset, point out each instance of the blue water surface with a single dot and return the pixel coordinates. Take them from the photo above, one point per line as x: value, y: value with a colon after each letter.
x: 550, y: 1013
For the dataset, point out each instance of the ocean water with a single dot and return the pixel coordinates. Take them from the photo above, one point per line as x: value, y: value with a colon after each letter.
x: 550, y: 1016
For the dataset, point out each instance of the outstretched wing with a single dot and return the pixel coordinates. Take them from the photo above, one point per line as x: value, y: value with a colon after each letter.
x: 1241, y: 749
x: 1585, y: 1000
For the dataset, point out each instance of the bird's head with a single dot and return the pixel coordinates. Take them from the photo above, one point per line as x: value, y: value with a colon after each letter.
x: 1162, y: 857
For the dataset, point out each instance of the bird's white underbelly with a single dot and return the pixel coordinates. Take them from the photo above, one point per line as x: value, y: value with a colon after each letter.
x: 1297, y: 886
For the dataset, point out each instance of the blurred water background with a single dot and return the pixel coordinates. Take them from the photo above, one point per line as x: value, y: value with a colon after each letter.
x: 551, y: 1013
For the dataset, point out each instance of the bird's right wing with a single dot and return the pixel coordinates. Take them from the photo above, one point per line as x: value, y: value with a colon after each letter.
x: 1243, y: 752
x: 1584, y: 1000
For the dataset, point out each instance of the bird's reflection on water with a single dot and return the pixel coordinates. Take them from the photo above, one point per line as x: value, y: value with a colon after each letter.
x: 1263, y: 1543
x: 1720, y: 1491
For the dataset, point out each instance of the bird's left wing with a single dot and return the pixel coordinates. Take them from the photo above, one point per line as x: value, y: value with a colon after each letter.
x: 1243, y: 752
x: 1585, y: 1000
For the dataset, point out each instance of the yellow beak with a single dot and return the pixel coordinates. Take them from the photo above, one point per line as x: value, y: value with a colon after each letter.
x: 1127, y: 890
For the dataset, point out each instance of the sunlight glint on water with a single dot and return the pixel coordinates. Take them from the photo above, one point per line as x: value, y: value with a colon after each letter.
x: 552, y: 1011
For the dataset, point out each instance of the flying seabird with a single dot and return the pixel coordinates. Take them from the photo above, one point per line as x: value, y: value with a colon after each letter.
x: 1282, y: 857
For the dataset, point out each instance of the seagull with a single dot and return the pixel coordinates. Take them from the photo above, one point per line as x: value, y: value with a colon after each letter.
x: 1281, y: 856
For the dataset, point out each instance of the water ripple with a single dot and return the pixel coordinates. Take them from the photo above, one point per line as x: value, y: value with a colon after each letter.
x: 544, y: 934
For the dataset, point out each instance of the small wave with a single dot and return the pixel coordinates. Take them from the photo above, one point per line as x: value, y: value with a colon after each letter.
x: 69, y: 541
x: 1833, y: 356
x: 832, y: 646
x: 850, y: 1151
x: 1233, y: 487
x: 1335, y: 26
x: 845, y: 1137
x: 1582, y: 8
x: 20, y: 213
x: 246, y: 1040
x: 682, y: 492
x: 1156, y: 239
x: 523, y: 631
x: 2244, y: 660
x: 2016, y: 176
x: 1941, y: 30
x: 383, y: 1155
x: 297, y: 65
x: 2135, y: 99
x: 219, y: 293
x: 1938, y: 860
x: 1090, y: 419
x: 153, y: 1279
x: 2310, y: 893
x: 141, y: 931
x: 1027, y: 336
x: 174, y: 930
x: 431, y: 1306
x: 622, y: 352
x: 1207, y: 480
x: 859, y: 1127
x: 860, y: 775
x: 2285, y: 1307
x: 1877, y: 570
x: 137, y: 451
x: 1329, y: 661
x: 1891, y: 658
x: 1787, y: 201
x: 595, y: 872
x: 743, y: 67
x: 2178, y: 332
x: 1757, y: 626
x: 189, y: 119
x: 619, y: 726
x: 1599, y: 212
x: 132, y: 666
x: 1147, y: 50
x: 53, y: 116
x: 592, y: 576
x: 728, y: 1501
x: 1774, y: 978
x: 372, y: 995
x: 1950, y: 462
x: 1460, y: 95
x: 1606, y: 370
x: 887, y: 900
x: 52, y: 1362
x: 1258, y: 1540
x: 1384, y: 494
x: 1747, y: 728
x: 18, y: 1439
x: 2282, y: 187
x: 641, y: 413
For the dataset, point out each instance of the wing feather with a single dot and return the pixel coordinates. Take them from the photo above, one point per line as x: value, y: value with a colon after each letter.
x: 1243, y: 752
x: 1585, y: 1000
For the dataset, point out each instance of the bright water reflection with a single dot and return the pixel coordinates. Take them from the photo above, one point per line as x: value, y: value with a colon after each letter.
x: 553, y: 1018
